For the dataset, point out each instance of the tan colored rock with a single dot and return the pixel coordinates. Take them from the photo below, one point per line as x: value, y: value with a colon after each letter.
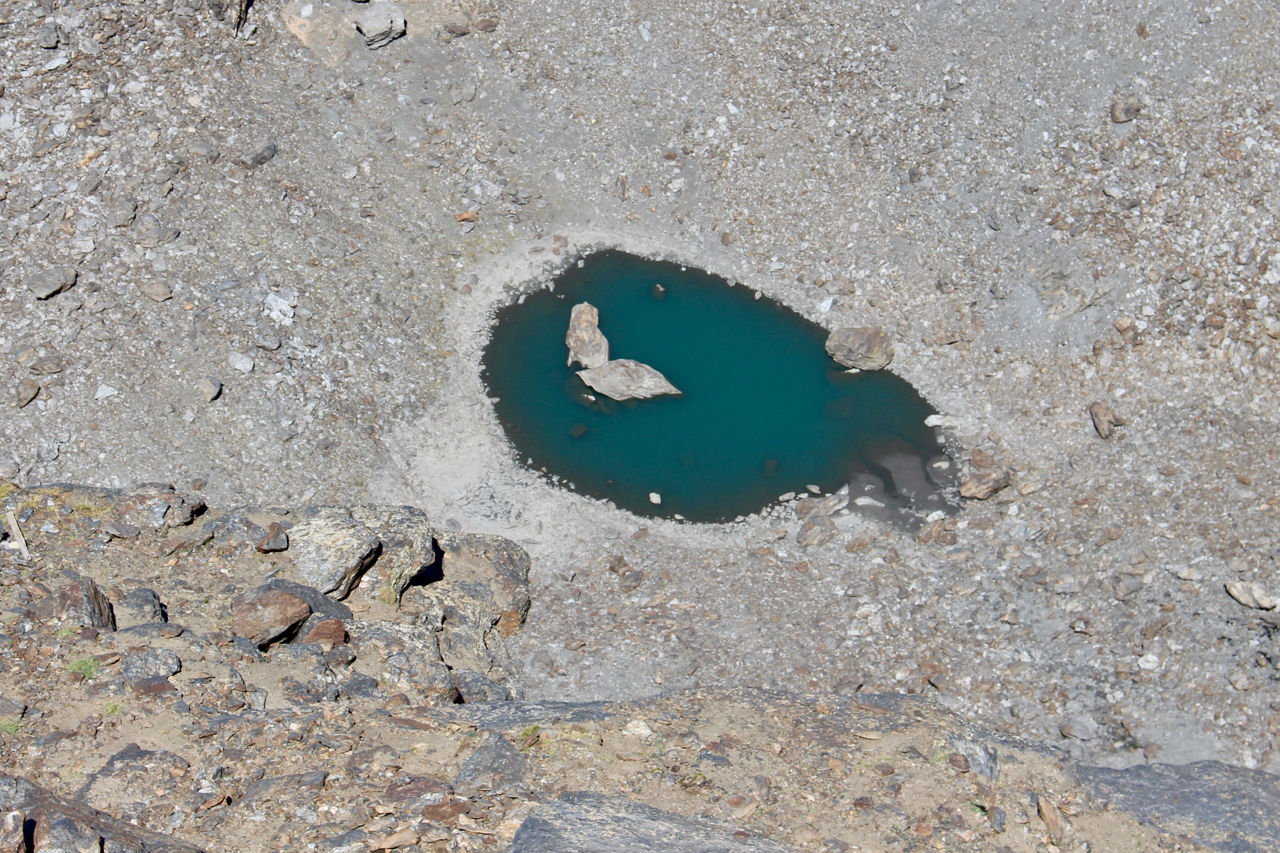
x: 864, y: 348
x: 587, y: 344
x: 624, y: 379
x: 984, y: 484
x: 1251, y: 595
x: 1105, y: 420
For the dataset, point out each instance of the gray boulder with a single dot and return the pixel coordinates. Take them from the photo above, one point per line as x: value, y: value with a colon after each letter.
x: 331, y: 550
x: 624, y: 379
x: 861, y: 348
x: 381, y: 24
x: 587, y: 344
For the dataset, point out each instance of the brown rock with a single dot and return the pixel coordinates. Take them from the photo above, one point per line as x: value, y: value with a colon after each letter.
x: 1105, y: 420
x: 861, y: 348
x: 26, y: 391
x: 466, y: 216
x: 818, y: 530
x: 984, y: 484
x: 81, y: 602
x: 329, y: 633
x: 263, y: 614
x: 981, y: 459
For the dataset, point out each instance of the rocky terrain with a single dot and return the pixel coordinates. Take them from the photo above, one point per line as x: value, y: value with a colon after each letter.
x: 263, y: 265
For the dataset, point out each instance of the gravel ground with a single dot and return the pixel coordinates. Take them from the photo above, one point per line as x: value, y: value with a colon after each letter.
x: 951, y: 171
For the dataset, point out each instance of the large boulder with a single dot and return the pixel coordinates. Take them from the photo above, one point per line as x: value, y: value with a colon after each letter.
x: 332, y: 550
x: 863, y: 348
x: 587, y: 344
x: 624, y: 379
x: 264, y: 614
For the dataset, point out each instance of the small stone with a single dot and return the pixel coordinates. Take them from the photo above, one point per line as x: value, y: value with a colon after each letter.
x: 486, y: 25
x: 380, y: 24
x: 49, y: 283
x: 818, y: 530
x: 264, y: 614
x: 466, y: 216
x: 139, y: 607
x: 8, y: 471
x: 47, y: 366
x: 1126, y: 109
x: 239, y: 361
x: 630, y: 580
x: 1105, y: 420
x: 1240, y: 680
x: 981, y: 459
x: 587, y: 344
x: 861, y: 348
x: 655, y: 498
x: 275, y: 540
x: 104, y: 391
x: 328, y: 634
x: 637, y: 728
x: 156, y: 291
x: 48, y: 37
x: 26, y: 391
x: 260, y: 155
x: 120, y: 530
x: 984, y: 484
x: 209, y: 388
x: 139, y: 668
x: 1251, y: 595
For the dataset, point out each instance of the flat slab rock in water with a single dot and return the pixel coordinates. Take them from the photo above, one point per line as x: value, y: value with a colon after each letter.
x: 624, y: 379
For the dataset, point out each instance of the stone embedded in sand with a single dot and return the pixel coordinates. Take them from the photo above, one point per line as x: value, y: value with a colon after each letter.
x: 1105, y: 420
x: 624, y: 379
x: 587, y: 344
x: 984, y: 484
x: 1251, y: 595
x: 863, y: 348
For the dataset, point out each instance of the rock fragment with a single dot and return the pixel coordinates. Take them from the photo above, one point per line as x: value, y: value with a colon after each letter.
x: 381, y: 24
x: 1251, y: 595
x: 1126, y: 109
x: 156, y: 291
x: 139, y: 606
x: 26, y: 391
x: 587, y: 344
x: 495, y: 765
x: 209, y: 388
x: 263, y: 614
x: 625, y: 379
x: 332, y: 550
x: 49, y: 283
x: 261, y: 155
x: 984, y: 484
x: 1105, y: 420
x: 82, y: 602
x: 142, y: 669
x: 865, y: 348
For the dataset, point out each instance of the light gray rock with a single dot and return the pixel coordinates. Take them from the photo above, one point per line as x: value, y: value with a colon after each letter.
x: 624, y: 379
x: 863, y: 348
x: 332, y: 550
x: 408, y: 542
x: 586, y: 822
x: 149, y: 665
x: 49, y: 283
x: 587, y: 344
x: 495, y: 765
x: 381, y: 24
x: 138, y: 607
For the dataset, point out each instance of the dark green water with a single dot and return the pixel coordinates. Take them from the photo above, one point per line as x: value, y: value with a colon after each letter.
x: 765, y: 410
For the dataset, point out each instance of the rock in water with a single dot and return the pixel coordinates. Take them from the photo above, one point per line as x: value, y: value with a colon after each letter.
x: 862, y: 348
x: 587, y: 344
x: 624, y: 379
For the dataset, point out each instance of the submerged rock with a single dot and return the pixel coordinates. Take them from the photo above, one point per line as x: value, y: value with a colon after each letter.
x: 624, y: 379
x: 587, y: 344
x: 862, y: 348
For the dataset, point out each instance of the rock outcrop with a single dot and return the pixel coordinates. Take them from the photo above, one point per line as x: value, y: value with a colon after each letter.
x: 587, y: 344
x: 864, y: 348
x: 624, y: 379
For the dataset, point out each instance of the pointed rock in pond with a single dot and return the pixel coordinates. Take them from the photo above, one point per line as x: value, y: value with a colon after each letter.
x: 862, y: 348
x: 587, y: 344
x: 624, y: 379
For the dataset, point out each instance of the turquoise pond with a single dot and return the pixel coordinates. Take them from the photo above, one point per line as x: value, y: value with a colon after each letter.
x: 764, y: 411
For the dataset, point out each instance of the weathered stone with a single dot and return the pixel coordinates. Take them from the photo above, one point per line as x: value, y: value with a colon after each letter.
x: 1251, y: 595
x: 587, y: 344
x: 984, y: 484
x: 1105, y: 420
x: 492, y: 566
x: 260, y: 155
x: 120, y: 530
x: 327, y: 634
x: 149, y: 665
x: 381, y: 24
x: 81, y: 602
x: 331, y: 550
x: 48, y: 283
x: 156, y: 291
x: 1126, y: 109
x: 209, y: 388
x: 829, y: 505
x: 495, y: 765
x: 587, y: 822
x: 475, y: 687
x: 264, y: 614
x: 407, y: 543
x: 862, y: 348
x: 818, y: 530
x: 624, y: 379
x: 276, y: 540
x: 138, y: 607
x: 26, y: 391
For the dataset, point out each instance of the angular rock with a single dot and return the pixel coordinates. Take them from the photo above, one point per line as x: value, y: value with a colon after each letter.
x: 147, y: 665
x: 1126, y: 109
x: 407, y: 543
x: 818, y: 530
x: 331, y: 550
x: 475, y: 687
x: 139, y: 607
x: 587, y: 344
x: 81, y: 602
x: 156, y: 291
x: 381, y: 24
x: 863, y: 348
x: 984, y: 484
x: 209, y: 388
x: 495, y: 568
x: 276, y: 540
x: 829, y: 505
x: 1105, y: 420
x: 327, y: 634
x: 120, y: 530
x: 260, y: 155
x: 263, y: 614
x: 1251, y: 595
x: 495, y: 765
x: 51, y: 282
x: 587, y: 822
x: 26, y: 391
x: 624, y: 379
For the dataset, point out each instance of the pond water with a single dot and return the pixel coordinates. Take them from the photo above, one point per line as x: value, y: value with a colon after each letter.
x: 764, y: 409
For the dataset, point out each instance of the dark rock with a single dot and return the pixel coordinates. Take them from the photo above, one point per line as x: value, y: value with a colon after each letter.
x: 9, y: 709
x: 361, y: 686
x: 496, y: 765
x: 476, y: 687
x: 148, y: 665
x: 150, y: 631
x: 1126, y: 109
x: 259, y: 155
x: 586, y: 822
x: 139, y: 607
x: 1105, y: 420
x: 81, y: 603
x: 264, y: 614
x: 51, y: 282
x: 1217, y: 805
x: 120, y: 530
x: 861, y: 348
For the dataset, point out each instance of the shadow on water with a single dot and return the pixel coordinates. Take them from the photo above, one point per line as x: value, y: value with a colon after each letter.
x: 764, y: 411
